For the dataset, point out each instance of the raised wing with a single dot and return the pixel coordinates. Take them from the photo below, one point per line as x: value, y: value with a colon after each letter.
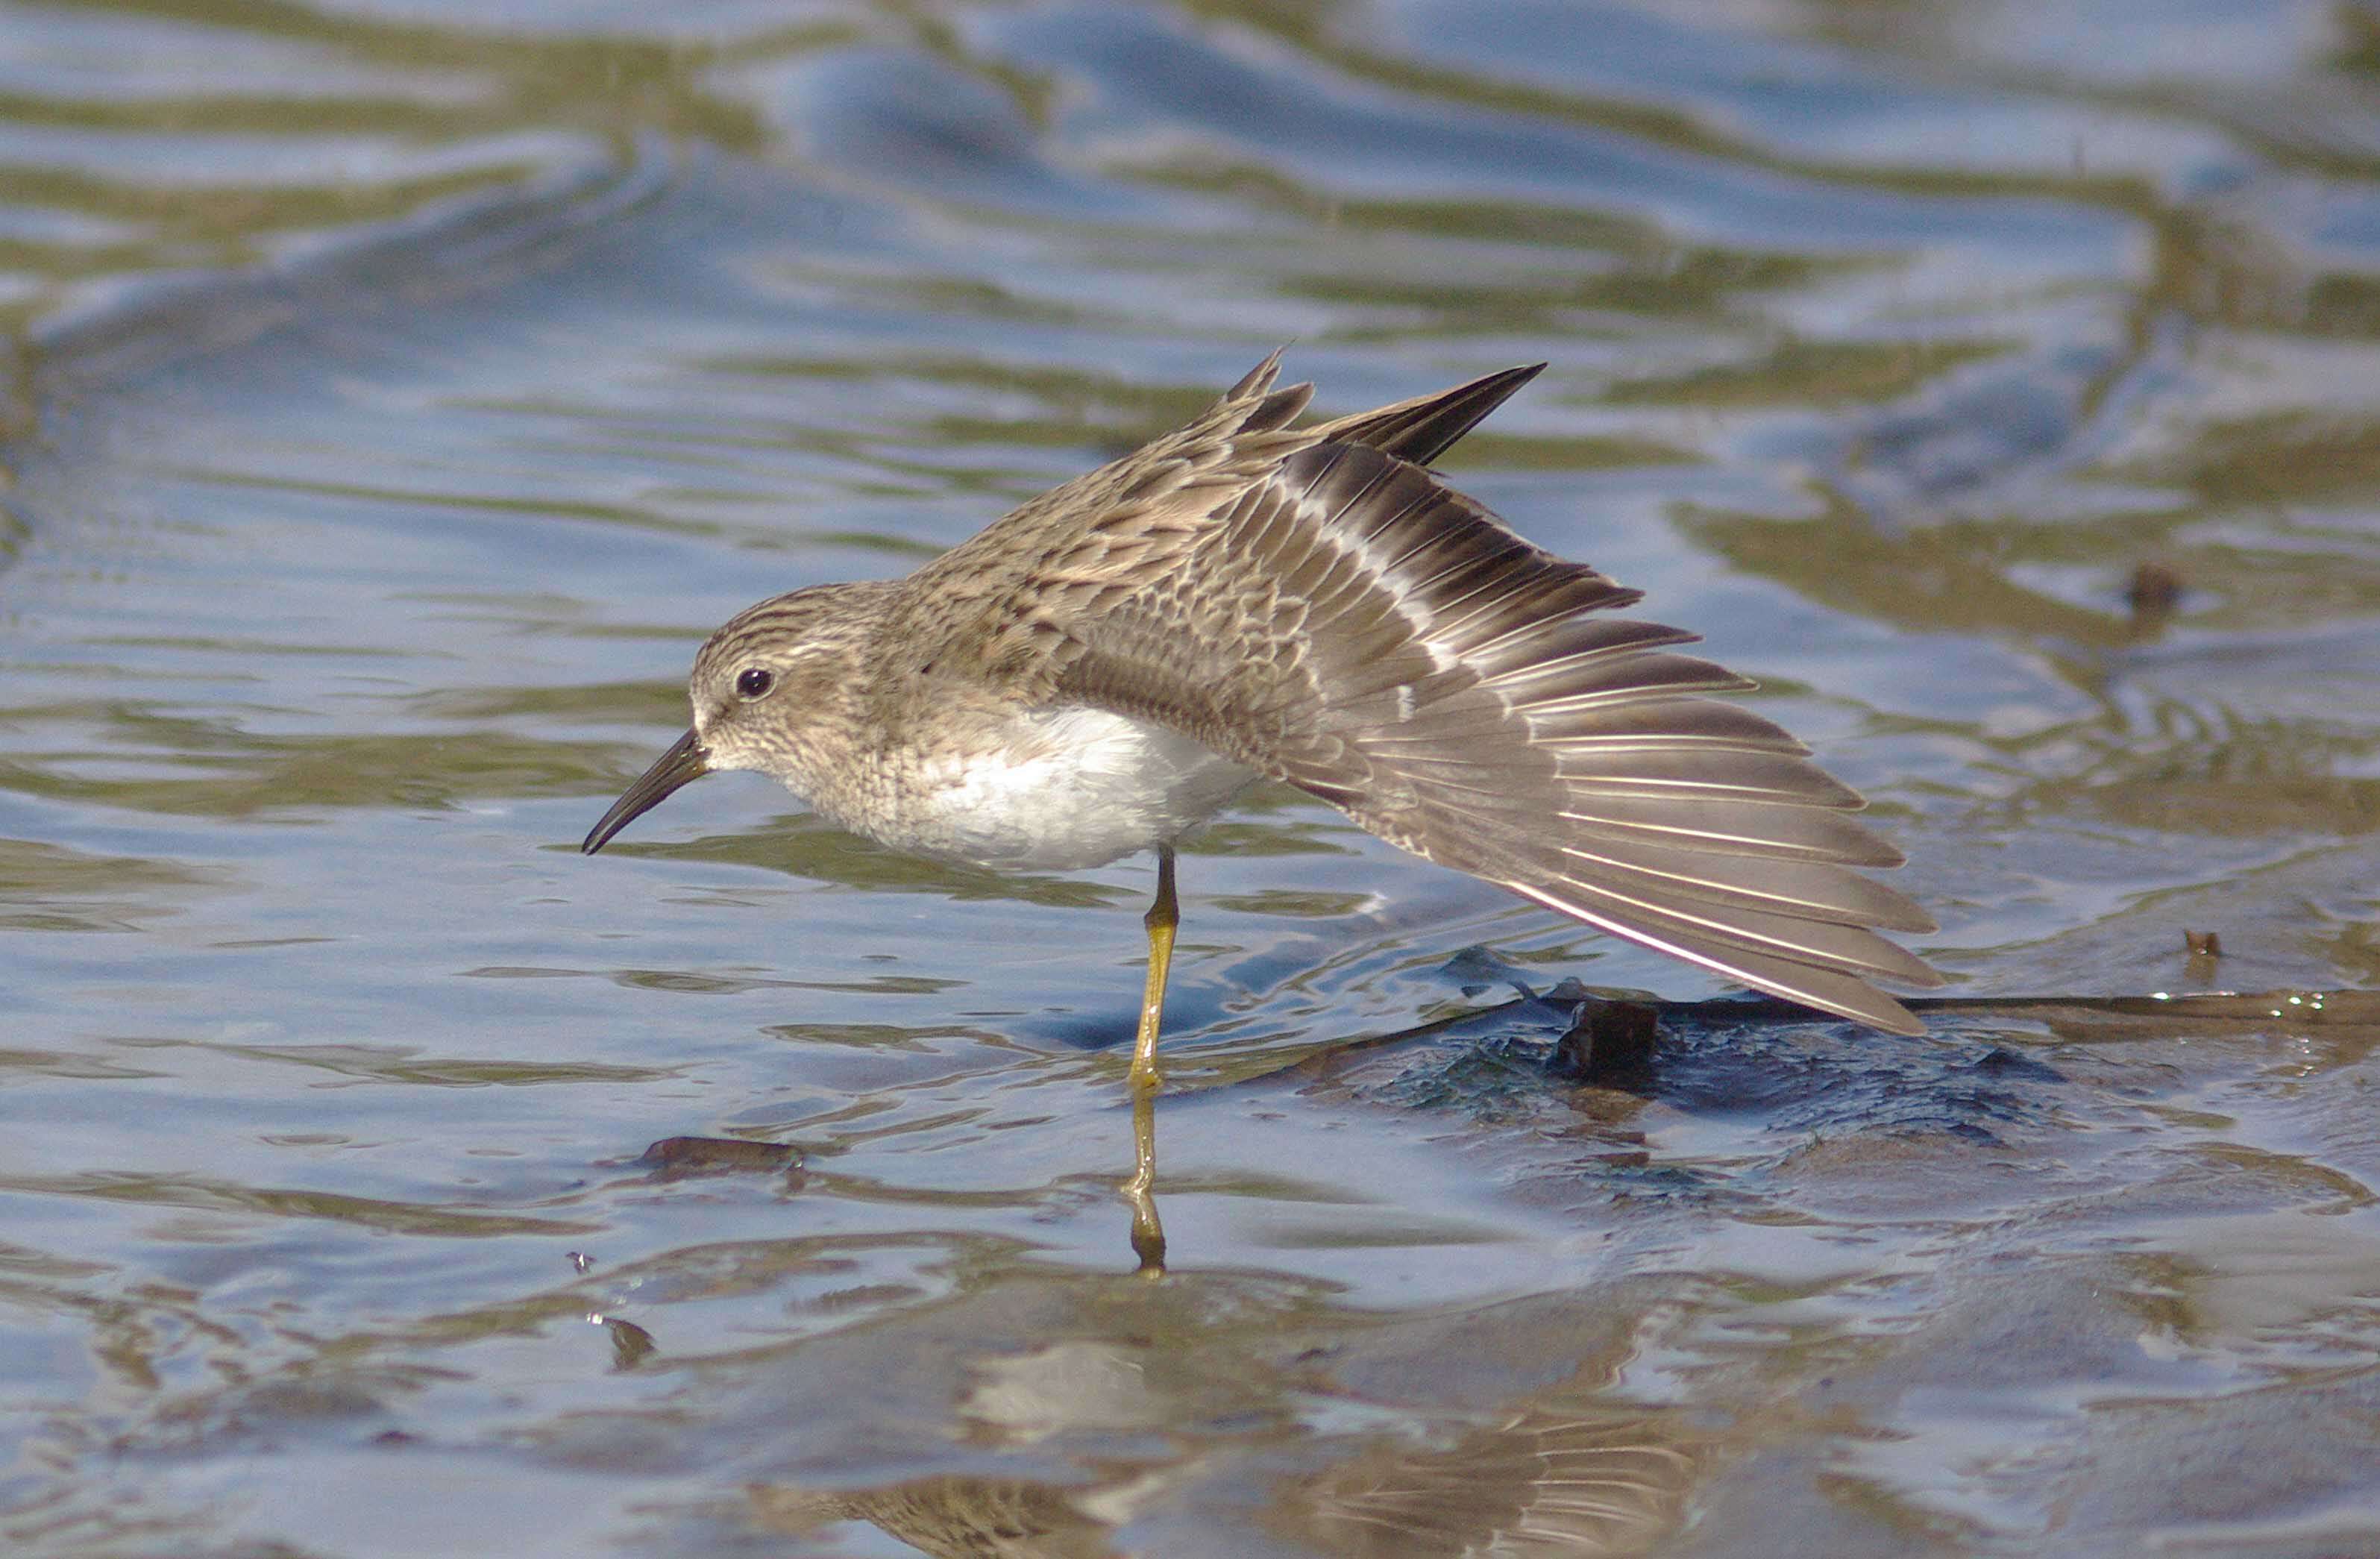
x: 1387, y: 644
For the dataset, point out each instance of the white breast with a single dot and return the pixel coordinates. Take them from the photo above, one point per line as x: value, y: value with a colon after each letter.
x: 1074, y: 787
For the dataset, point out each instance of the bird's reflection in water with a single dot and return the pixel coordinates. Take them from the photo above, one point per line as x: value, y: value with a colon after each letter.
x: 1147, y: 1230
x: 1542, y: 1477
x: 979, y: 1517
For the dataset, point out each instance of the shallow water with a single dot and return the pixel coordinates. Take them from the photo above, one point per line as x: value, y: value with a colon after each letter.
x: 403, y: 391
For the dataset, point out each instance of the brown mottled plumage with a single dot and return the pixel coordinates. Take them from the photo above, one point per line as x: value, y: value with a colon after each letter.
x: 1105, y: 666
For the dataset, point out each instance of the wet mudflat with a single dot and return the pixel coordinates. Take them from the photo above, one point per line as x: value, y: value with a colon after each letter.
x: 403, y: 392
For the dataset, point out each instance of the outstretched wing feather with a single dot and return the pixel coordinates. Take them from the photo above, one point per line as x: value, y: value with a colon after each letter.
x: 1346, y: 622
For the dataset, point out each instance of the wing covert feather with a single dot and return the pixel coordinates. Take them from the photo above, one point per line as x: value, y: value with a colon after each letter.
x: 1341, y: 620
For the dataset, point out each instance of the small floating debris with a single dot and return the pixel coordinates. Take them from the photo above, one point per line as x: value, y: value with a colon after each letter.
x: 1610, y: 1043
x: 682, y: 1156
x: 2154, y: 594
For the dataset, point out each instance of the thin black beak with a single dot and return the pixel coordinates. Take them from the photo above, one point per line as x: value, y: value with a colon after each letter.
x: 684, y: 762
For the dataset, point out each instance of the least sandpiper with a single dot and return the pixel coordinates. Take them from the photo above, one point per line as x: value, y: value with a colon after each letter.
x: 1105, y: 667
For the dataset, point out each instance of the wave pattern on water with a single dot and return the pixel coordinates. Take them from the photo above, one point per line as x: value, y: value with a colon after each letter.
x: 400, y: 393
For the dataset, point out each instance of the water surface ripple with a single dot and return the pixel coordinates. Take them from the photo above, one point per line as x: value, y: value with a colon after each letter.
x: 399, y: 393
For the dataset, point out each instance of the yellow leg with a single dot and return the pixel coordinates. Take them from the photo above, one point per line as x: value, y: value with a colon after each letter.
x: 1162, y: 918
x: 1147, y: 1234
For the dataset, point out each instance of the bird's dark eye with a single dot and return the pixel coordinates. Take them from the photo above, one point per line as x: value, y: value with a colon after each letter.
x: 754, y: 681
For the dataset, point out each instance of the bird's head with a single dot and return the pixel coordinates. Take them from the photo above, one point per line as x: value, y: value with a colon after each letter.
x: 763, y: 688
